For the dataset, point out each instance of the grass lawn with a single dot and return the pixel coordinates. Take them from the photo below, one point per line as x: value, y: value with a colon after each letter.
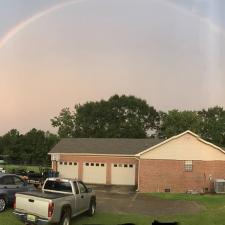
x: 213, y: 213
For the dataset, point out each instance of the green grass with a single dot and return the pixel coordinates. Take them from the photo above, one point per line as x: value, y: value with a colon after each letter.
x: 210, y: 201
x: 213, y: 213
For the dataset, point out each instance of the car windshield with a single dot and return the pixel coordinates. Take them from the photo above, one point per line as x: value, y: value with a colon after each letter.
x: 58, y: 186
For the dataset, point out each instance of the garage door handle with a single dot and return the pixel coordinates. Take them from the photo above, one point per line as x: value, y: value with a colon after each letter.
x: 5, y: 187
x: 82, y: 196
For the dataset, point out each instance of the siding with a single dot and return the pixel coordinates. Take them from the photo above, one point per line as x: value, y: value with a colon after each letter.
x: 186, y: 147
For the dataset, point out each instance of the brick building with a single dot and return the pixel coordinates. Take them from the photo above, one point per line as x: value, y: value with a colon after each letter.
x: 182, y: 163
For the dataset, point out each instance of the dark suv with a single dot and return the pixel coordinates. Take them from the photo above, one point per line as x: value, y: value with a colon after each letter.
x: 10, y: 184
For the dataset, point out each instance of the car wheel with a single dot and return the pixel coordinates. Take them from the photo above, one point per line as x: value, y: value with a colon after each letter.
x: 65, y: 219
x: 92, y: 208
x: 2, y: 204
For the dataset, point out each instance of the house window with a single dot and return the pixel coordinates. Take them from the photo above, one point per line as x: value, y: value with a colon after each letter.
x: 188, y: 166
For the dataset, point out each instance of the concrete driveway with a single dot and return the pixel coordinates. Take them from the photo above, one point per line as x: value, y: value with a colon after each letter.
x: 122, y: 201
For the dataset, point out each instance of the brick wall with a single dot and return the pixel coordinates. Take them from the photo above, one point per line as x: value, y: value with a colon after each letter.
x: 101, y: 159
x: 157, y: 175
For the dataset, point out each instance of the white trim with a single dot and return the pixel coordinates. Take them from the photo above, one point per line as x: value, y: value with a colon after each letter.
x: 177, y: 136
x: 96, y: 155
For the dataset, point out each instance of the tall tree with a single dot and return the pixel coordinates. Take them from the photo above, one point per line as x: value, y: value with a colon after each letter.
x: 65, y: 123
x: 213, y: 125
x: 119, y: 117
x: 175, y: 122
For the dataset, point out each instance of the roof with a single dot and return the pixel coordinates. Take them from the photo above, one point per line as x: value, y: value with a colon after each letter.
x: 179, y: 135
x: 104, y: 146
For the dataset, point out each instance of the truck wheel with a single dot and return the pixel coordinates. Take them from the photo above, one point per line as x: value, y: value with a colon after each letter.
x: 92, y: 208
x: 65, y: 219
x: 2, y: 204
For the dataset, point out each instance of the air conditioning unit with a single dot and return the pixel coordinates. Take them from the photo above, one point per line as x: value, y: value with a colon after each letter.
x: 55, y: 157
x: 219, y: 186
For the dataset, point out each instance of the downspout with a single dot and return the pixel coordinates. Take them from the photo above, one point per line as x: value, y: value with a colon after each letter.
x: 139, y: 164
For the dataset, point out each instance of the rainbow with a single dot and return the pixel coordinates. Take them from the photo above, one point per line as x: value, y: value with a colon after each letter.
x: 11, y: 33
x: 191, y: 13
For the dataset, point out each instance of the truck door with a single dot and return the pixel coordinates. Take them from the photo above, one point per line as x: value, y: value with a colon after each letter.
x: 83, y: 197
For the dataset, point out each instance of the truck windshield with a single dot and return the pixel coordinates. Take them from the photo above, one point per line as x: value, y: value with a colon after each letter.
x: 58, y: 186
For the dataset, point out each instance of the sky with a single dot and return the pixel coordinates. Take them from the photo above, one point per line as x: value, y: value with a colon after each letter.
x: 58, y: 53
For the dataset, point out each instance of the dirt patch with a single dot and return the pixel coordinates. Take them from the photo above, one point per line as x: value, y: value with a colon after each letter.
x: 137, y: 203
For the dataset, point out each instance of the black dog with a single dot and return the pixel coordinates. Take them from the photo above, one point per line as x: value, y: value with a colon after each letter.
x: 155, y: 222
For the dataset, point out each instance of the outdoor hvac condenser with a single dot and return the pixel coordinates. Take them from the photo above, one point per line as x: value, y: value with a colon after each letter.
x: 219, y: 186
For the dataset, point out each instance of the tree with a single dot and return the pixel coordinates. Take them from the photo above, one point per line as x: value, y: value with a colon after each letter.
x: 65, y: 123
x: 119, y: 117
x: 175, y: 122
x: 213, y: 125
x: 11, y: 145
x: 29, y: 148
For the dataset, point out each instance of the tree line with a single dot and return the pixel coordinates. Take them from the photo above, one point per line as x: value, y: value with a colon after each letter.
x: 118, y: 117
x: 132, y: 117
x: 31, y: 148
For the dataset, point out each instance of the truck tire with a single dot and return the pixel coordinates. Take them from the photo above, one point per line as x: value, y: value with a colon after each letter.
x: 2, y: 203
x: 92, y: 207
x: 65, y: 219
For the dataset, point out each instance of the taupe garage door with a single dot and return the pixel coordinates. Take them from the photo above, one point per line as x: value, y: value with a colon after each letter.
x: 68, y: 169
x: 94, y: 173
x: 123, y: 174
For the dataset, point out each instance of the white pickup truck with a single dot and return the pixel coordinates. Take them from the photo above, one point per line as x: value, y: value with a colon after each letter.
x: 58, y: 202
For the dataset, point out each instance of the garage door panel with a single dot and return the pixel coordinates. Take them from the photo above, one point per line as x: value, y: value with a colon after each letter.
x: 94, y: 173
x: 123, y: 174
x: 68, y: 170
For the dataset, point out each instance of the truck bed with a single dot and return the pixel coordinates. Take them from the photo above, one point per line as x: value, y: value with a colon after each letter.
x: 46, y: 195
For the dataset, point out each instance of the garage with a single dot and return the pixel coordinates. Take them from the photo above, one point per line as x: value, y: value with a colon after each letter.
x: 94, y: 173
x: 68, y: 169
x: 123, y: 174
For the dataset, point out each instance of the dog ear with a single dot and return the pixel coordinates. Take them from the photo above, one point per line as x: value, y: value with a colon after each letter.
x: 126, y: 224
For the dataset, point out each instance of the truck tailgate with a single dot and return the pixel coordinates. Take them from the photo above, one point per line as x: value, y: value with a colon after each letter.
x: 32, y: 205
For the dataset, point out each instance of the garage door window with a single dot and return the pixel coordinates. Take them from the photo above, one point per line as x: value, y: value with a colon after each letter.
x: 102, y: 165
x: 130, y: 166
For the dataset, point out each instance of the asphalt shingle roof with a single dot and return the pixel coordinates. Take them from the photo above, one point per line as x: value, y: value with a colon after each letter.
x: 104, y: 145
